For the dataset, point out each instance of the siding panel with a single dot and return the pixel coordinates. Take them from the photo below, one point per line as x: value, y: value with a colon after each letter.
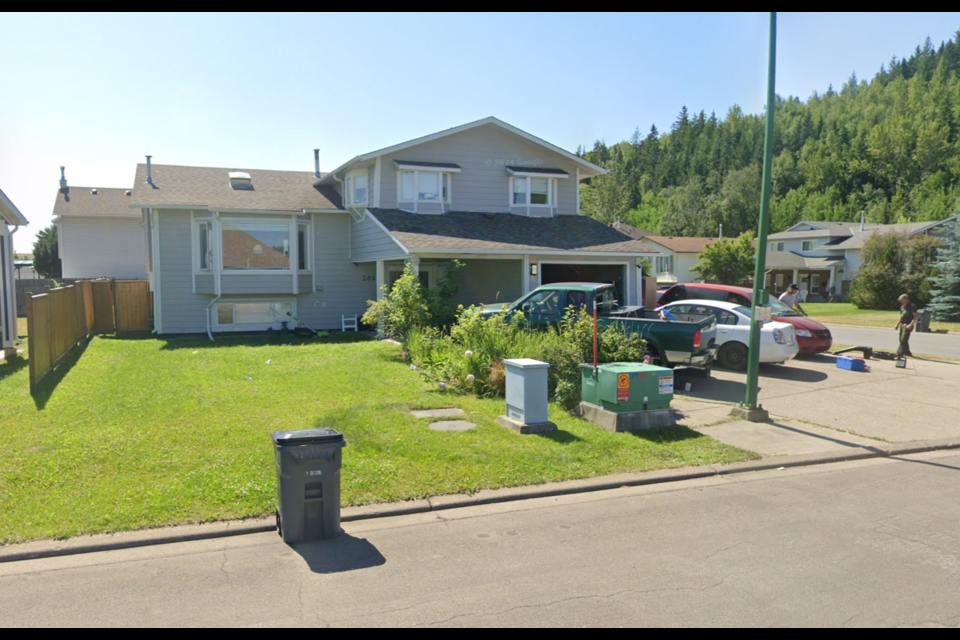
x: 103, y: 247
x: 182, y: 310
x: 369, y: 242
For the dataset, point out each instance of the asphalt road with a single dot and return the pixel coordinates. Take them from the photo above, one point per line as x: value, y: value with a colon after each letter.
x: 873, y: 543
x: 944, y: 345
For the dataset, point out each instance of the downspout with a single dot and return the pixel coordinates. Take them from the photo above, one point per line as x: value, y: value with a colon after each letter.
x: 12, y: 311
x: 216, y: 276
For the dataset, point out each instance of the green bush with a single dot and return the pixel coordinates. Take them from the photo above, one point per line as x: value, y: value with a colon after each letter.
x: 409, y: 305
x: 894, y: 264
x: 479, y: 343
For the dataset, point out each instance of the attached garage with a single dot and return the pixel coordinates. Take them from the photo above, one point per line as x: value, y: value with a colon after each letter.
x: 609, y: 273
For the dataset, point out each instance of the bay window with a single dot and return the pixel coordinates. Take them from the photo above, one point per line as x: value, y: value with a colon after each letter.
x: 204, y: 232
x: 303, y: 247
x: 355, y: 188
x: 256, y: 245
x: 528, y: 191
x: 424, y: 186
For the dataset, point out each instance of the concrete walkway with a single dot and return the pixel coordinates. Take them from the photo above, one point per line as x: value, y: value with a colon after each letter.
x: 870, y: 543
x: 943, y: 345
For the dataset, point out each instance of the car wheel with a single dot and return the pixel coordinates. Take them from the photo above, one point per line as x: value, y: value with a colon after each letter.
x: 655, y: 358
x: 733, y: 355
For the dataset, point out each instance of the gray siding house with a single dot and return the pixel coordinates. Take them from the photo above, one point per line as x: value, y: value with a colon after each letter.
x: 238, y: 249
x: 10, y: 216
x: 98, y: 234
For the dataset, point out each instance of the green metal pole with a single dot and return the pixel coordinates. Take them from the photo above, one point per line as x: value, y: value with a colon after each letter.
x: 753, y: 366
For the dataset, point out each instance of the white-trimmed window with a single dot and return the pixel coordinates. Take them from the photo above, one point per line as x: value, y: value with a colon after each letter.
x: 253, y: 315
x: 424, y: 186
x: 304, y: 255
x: 776, y: 246
x: 355, y: 187
x: 203, y: 232
x: 809, y: 245
x: 664, y: 264
x: 255, y: 245
x: 529, y: 191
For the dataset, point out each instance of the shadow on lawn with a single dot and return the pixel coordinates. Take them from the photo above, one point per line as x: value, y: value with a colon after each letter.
x: 346, y: 553
x: 667, y: 435
x: 49, y: 384
x: 253, y: 340
x: 10, y: 367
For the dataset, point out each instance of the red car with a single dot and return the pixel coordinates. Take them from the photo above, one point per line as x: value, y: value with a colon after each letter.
x: 812, y: 336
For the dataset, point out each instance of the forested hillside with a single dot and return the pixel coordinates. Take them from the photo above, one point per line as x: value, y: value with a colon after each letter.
x: 889, y: 147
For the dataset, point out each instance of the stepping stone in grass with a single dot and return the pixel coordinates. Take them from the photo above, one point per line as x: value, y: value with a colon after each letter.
x: 452, y: 425
x: 438, y: 413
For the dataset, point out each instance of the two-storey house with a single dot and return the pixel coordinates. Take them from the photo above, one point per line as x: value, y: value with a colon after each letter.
x: 823, y: 258
x: 239, y: 249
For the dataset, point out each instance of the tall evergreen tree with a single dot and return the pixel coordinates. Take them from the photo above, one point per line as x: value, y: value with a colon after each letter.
x: 945, y: 296
x: 46, y: 254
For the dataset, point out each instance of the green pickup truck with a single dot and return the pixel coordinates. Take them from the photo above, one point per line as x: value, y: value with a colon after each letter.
x: 669, y: 343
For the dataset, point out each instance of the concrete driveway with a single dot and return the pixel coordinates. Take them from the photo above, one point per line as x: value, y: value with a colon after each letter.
x: 944, y: 345
x: 920, y: 402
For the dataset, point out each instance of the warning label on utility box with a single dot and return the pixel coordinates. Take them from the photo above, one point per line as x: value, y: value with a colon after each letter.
x: 666, y: 385
x: 623, y: 387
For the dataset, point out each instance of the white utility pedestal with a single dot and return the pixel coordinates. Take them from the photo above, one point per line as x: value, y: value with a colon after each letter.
x: 527, y: 397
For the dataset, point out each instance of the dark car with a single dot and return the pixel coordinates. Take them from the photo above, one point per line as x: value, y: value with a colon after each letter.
x: 812, y: 336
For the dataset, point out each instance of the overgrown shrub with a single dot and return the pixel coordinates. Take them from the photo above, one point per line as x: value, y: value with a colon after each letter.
x: 409, y: 305
x: 471, y: 357
x: 894, y: 264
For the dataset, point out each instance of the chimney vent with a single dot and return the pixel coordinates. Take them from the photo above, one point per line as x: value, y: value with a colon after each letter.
x: 149, y: 171
x: 316, y: 163
x: 863, y: 220
x: 63, y: 181
x: 93, y: 192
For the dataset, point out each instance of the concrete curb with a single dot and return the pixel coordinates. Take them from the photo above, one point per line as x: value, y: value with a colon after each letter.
x: 192, y: 533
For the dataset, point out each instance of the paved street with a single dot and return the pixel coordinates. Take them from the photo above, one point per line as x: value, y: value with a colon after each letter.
x: 945, y: 345
x: 851, y: 544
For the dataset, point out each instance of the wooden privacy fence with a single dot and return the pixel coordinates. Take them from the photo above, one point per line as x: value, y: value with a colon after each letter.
x: 60, y: 319
x: 57, y: 321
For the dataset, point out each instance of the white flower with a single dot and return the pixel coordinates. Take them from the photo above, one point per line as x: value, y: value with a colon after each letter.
x: 413, y: 367
x: 442, y: 385
x: 469, y: 354
x: 470, y: 378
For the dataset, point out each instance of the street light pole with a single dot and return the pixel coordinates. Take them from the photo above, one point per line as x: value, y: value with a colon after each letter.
x: 750, y: 409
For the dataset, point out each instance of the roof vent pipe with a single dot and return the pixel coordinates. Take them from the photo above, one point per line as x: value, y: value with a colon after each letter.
x: 316, y: 163
x: 721, y: 232
x: 149, y: 171
x: 863, y: 220
x: 63, y: 181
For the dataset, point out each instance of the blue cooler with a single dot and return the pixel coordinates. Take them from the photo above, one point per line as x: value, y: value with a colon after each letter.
x: 851, y: 364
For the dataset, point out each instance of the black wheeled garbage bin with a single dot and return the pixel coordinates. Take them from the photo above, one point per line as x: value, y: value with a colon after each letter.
x: 308, y: 484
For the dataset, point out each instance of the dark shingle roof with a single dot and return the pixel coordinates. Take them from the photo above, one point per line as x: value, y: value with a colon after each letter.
x: 471, y: 231
x: 437, y: 165
x: 210, y: 187
x: 791, y: 260
x: 549, y: 172
x: 83, y: 201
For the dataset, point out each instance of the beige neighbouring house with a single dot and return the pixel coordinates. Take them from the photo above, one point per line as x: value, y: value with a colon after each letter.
x: 10, y: 220
x: 98, y: 234
x: 675, y: 256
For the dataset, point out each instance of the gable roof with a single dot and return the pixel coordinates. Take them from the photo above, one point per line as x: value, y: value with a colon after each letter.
x: 848, y: 235
x: 9, y: 212
x: 209, y: 187
x: 634, y: 232
x: 591, y: 169
x: 93, y: 201
x: 469, y: 231
x: 791, y: 260
x: 678, y: 244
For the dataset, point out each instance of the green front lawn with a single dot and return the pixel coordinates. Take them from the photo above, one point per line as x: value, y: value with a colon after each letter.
x: 847, y: 313
x: 131, y: 434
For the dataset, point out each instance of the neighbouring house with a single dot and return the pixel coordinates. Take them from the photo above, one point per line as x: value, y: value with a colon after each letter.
x: 10, y: 220
x: 823, y: 258
x: 674, y: 256
x: 23, y: 264
x: 98, y: 234
x: 239, y: 249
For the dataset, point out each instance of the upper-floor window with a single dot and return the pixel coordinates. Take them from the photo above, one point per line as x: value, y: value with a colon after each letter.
x: 809, y: 245
x: 531, y: 192
x: 355, y: 188
x: 776, y: 246
x: 664, y: 264
x: 424, y: 186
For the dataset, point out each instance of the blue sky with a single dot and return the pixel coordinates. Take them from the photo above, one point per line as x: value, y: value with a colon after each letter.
x: 98, y: 92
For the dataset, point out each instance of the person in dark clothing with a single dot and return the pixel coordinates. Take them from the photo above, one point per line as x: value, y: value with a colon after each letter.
x: 908, y: 320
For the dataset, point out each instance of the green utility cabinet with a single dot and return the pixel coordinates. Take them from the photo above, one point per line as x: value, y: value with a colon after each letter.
x: 625, y: 387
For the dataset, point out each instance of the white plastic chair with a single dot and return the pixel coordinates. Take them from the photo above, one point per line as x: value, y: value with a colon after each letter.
x: 802, y: 296
x: 348, y: 323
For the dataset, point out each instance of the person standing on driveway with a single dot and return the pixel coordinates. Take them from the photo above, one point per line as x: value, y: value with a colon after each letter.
x: 908, y: 320
x: 789, y: 298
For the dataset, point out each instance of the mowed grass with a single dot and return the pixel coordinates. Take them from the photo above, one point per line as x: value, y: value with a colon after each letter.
x: 130, y: 434
x: 847, y: 313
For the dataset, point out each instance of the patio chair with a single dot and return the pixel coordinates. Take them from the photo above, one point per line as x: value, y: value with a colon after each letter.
x: 802, y: 296
x: 348, y: 323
